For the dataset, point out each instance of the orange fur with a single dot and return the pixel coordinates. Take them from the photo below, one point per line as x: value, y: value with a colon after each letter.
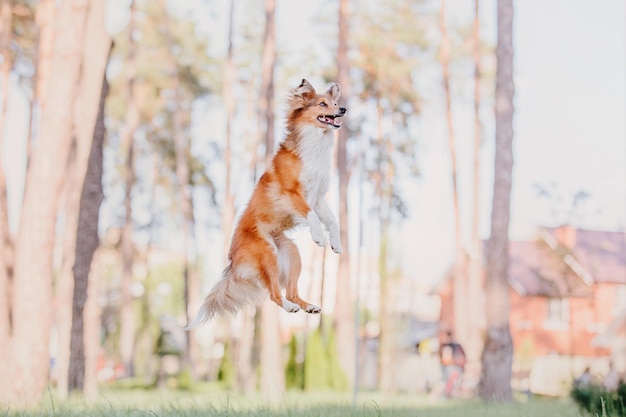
x: 262, y: 259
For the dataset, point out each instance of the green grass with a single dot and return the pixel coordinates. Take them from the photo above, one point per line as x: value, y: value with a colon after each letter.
x: 210, y: 401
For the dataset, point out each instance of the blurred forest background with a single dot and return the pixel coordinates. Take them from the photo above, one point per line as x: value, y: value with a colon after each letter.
x: 138, y: 129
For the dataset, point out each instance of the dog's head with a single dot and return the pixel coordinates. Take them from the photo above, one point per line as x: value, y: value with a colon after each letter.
x: 319, y: 110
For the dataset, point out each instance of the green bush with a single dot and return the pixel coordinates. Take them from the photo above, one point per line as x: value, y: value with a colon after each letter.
x: 226, y: 372
x: 338, y: 379
x: 294, y: 375
x: 321, y: 365
x: 316, y: 366
x: 597, y: 401
x: 185, y: 380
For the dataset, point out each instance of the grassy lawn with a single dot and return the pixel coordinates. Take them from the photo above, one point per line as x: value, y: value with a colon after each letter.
x: 215, y: 402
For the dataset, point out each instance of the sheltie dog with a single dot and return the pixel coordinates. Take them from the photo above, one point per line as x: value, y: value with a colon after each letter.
x: 262, y: 259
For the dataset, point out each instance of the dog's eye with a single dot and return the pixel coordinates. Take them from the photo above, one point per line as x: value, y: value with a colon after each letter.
x: 323, y: 104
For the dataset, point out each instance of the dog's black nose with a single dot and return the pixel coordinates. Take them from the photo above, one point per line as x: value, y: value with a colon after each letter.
x: 342, y: 110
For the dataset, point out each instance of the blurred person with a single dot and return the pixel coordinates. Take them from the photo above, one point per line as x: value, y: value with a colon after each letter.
x: 612, y: 378
x: 584, y: 379
x: 452, y: 358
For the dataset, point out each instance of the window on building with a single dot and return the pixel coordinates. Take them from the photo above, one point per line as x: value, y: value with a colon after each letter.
x: 558, y: 314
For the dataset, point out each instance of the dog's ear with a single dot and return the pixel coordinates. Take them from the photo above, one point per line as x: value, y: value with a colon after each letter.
x: 334, y: 91
x: 304, y: 90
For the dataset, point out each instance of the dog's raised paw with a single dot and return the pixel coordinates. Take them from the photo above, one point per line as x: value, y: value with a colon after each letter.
x: 318, y: 238
x: 336, y: 247
x: 312, y: 309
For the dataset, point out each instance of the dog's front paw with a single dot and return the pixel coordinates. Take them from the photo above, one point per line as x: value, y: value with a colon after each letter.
x: 316, y: 229
x: 318, y: 236
x: 335, y: 245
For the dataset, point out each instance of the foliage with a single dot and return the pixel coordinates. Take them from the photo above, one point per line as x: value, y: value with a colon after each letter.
x: 294, y: 374
x: 22, y: 48
x: 185, y: 380
x: 321, y: 364
x: 185, y: 76
x: 391, y: 44
x: 226, y: 373
x: 156, y: 311
x: 338, y: 379
x: 316, y: 366
x: 597, y: 401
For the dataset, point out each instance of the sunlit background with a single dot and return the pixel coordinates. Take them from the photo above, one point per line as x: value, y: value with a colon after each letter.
x: 569, y: 179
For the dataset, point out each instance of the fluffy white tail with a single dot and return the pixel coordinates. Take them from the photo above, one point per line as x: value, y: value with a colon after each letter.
x: 227, y: 296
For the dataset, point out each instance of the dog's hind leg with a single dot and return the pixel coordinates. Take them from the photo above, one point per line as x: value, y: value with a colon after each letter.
x: 269, y: 272
x: 290, y: 267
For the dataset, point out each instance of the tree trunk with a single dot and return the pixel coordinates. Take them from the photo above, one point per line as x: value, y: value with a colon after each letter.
x: 244, y: 372
x: 474, y: 282
x: 385, y: 339
x: 6, y: 244
x: 497, y: 356
x: 33, y: 274
x: 344, y: 305
x: 6, y: 256
x: 92, y: 325
x: 228, y: 211
x: 44, y: 18
x: 127, y: 316
x: 246, y: 381
x: 182, y: 150
x: 272, y: 367
x: 85, y: 111
x: 384, y: 192
x: 64, y: 283
x: 6, y: 35
x: 90, y: 129
x: 87, y: 242
x: 255, y: 135
x: 459, y: 292
x: 268, y: 64
x: 321, y: 325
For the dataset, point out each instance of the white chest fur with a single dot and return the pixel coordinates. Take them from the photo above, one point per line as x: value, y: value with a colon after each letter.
x: 315, y: 149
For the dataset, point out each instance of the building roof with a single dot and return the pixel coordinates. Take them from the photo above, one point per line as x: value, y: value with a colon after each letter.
x: 602, y: 254
x: 566, y: 262
x: 535, y: 270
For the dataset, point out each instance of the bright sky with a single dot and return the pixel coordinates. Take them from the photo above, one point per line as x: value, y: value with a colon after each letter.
x: 571, y: 107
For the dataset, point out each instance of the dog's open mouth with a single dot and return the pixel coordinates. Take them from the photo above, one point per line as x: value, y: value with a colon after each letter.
x: 331, y: 120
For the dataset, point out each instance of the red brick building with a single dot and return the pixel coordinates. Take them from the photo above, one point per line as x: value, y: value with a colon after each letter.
x: 567, y: 298
x: 566, y: 288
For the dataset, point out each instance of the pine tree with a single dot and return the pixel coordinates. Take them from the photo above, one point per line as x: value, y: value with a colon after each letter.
x: 32, y: 279
x: 497, y: 358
